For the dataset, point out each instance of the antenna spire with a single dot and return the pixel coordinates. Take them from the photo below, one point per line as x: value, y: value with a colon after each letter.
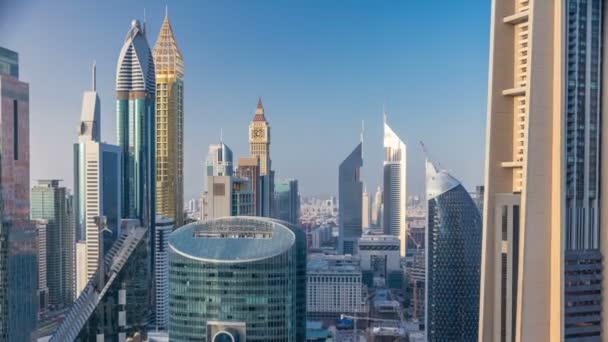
x: 166, y: 9
x: 362, y: 129
x: 94, y: 75
x: 144, y: 25
x: 221, y: 135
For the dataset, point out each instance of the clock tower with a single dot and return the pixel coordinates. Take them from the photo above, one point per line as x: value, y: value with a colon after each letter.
x: 259, y: 147
x: 259, y: 139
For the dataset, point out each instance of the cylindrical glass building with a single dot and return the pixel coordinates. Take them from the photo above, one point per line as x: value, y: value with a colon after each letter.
x: 238, y: 276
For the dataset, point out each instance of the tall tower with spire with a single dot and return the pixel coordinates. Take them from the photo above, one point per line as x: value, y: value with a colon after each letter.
x: 169, y: 66
x: 97, y: 170
x: 259, y: 146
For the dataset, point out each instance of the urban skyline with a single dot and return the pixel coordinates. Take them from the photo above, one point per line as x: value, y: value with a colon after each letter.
x: 226, y: 95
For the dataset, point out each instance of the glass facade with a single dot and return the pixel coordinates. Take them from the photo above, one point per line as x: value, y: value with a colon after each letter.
x: 453, y: 264
x: 262, y: 283
x: 350, y: 190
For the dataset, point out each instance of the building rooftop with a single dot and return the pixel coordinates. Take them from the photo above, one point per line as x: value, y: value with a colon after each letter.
x: 232, y: 239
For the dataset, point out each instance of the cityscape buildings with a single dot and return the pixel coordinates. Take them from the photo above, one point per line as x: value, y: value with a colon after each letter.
x: 453, y: 255
x: 259, y: 147
x: 49, y: 202
x: 380, y: 258
x: 350, y: 194
x: 365, y: 209
x: 227, y: 196
x: 219, y: 160
x: 542, y: 271
x: 394, y: 212
x: 287, y: 200
x: 228, y: 263
x: 249, y: 167
x: 97, y: 188
x: 169, y: 67
x: 15, y: 181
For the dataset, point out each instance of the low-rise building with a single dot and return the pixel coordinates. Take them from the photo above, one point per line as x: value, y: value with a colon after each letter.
x: 380, y: 258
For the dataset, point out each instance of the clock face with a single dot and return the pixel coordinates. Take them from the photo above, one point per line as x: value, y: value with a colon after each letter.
x: 258, y: 133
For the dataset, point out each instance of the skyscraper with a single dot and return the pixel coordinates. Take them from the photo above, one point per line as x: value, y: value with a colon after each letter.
x: 50, y: 203
x: 228, y: 263
x: 394, y: 186
x: 169, y: 67
x: 135, y: 97
x: 227, y: 196
x: 259, y: 146
x: 219, y: 160
x: 365, y: 209
x: 164, y: 227
x: 3, y: 273
x: 350, y: 194
x: 544, y: 247
x: 250, y: 168
x: 453, y: 255
x: 287, y: 201
x: 97, y: 188
x: 15, y: 181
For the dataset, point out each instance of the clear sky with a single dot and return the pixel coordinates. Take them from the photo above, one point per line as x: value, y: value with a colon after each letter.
x: 320, y: 66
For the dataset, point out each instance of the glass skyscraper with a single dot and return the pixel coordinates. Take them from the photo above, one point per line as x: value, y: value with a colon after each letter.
x: 453, y: 247
x: 135, y: 98
x: 286, y: 200
x: 245, y: 276
x: 15, y: 182
x: 49, y: 202
x: 350, y: 190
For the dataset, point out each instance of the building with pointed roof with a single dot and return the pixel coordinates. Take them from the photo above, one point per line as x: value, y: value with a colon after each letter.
x: 453, y: 256
x: 350, y: 195
x: 394, y: 186
x: 259, y: 146
x: 169, y: 67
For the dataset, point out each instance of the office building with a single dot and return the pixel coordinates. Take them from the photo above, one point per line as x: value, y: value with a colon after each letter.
x: 219, y: 160
x: 334, y: 287
x: 164, y: 227
x: 42, y: 292
x: 350, y: 194
x: 543, y: 252
x: 227, y: 196
x: 259, y: 147
x: 365, y: 209
x: 287, y: 200
x: 453, y: 250
x: 15, y: 181
x: 228, y: 263
x: 380, y: 259
x: 114, y: 305
x: 169, y: 67
x: 135, y: 99
x: 250, y: 168
x: 97, y: 188
x: 50, y: 203
x: 394, y: 214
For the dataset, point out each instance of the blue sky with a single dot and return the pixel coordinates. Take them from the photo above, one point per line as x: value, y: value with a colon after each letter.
x: 320, y: 66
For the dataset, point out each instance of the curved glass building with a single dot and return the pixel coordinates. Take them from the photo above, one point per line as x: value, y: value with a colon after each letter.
x: 453, y: 243
x: 238, y: 276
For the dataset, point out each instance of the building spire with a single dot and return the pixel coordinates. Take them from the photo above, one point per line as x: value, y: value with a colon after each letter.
x: 260, y: 103
x: 259, y: 111
x: 166, y: 10
x: 144, y: 24
x: 94, y: 76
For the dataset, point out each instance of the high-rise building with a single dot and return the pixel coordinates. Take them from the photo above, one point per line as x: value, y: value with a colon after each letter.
x: 365, y: 210
x: 228, y: 263
x: 97, y: 192
x: 42, y: 281
x: 50, y: 203
x: 164, y: 227
x: 259, y: 146
x: 453, y: 259
x: 3, y: 273
x: 169, y: 67
x: 350, y: 195
x: 250, y: 168
x: 135, y: 98
x: 287, y: 201
x: 377, y: 208
x: 394, y: 186
x: 219, y: 161
x: 544, y: 247
x: 227, y: 196
x: 15, y: 182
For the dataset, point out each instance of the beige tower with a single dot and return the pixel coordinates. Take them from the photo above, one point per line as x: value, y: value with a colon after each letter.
x: 541, y: 267
x: 259, y: 146
x: 169, y: 125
